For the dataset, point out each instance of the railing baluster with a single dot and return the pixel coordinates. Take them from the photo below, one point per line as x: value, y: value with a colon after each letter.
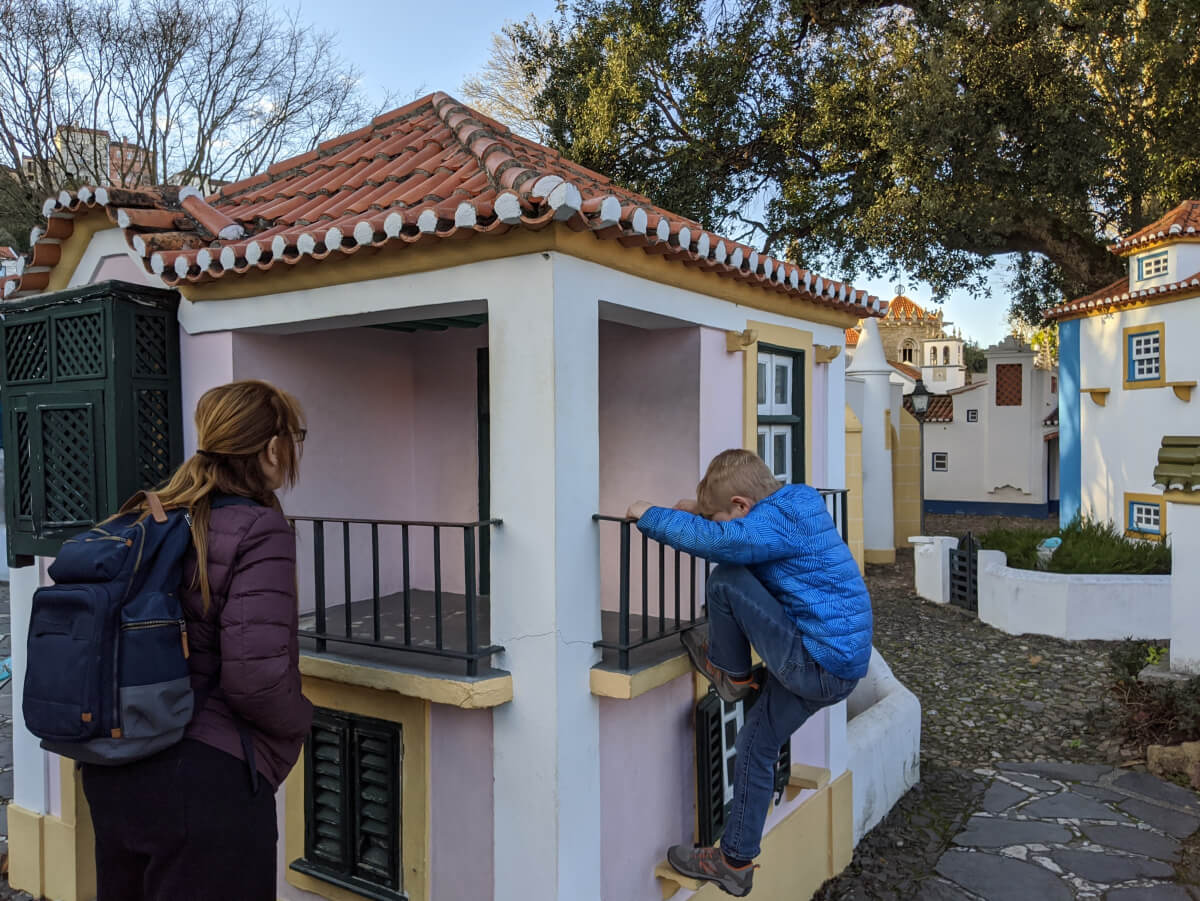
x: 692, y: 574
x: 346, y: 571
x: 407, y: 588
x: 623, y: 621
x: 676, y: 588
x: 846, y: 516
x: 319, y: 574
x: 437, y: 585
x: 662, y: 588
x: 469, y: 584
x: 375, y: 580
x: 645, y: 585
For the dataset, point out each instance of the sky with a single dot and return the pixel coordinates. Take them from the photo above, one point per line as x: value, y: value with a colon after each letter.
x: 412, y: 48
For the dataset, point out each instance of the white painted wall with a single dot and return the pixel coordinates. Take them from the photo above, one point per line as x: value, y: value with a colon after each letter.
x: 883, y: 740
x: 1184, y: 523
x: 964, y: 443
x: 874, y: 393
x: 1074, y: 607
x: 1120, y: 441
x: 931, y: 556
x: 1183, y: 261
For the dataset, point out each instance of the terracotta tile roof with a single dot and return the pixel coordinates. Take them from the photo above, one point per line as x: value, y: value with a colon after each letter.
x: 941, y: 408
x: 852, y: 337
x: 1118, y: 295
x: 971, y: 387
x: 904, y: 308
x: 1181, y: 222
x: 1052, y: 418
x: 7, y: 253
x: 431, y: 170
x: 910, y: 371
x: 1178, y: 466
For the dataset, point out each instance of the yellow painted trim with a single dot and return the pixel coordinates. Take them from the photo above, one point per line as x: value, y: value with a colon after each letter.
x: 390, y: 261
x: 470, y: 694
x: 1119, y: 307
x: 739, y: 341
x: 789, y: 339
x: 852, y: 423
x: 1162, y: 356
x: 826, y: 353
x: 55, y: 856
x: 1182, y: 497
x: 1169, y: 240
x: 26, y: 850
x: 854, y: 484
x: 74, y: 247
x: 413, y: 716
x: 1157, y: 500
x: 1183, y: 390
x: 805, y: 778
x: 880, y: 555
x: 813, y: 843
x: 1099, y: 396
x: 606, y: 683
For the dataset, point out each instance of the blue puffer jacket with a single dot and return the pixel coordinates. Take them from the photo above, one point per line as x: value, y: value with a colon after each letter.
x: 790, y: 544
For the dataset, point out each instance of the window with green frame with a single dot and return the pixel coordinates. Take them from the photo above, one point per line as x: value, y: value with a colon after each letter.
x: 781, y: 411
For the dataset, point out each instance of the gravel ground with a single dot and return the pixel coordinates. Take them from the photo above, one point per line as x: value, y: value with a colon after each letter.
x: 985, y: 697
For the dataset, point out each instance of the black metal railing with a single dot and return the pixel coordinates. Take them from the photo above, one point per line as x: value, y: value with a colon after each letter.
x: 665, y: 618
x: 838, y: 505
x: 395, y: 609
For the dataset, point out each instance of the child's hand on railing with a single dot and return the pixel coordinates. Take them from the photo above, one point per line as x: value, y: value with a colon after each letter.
x: 688, y: 505
x: 637, y: 508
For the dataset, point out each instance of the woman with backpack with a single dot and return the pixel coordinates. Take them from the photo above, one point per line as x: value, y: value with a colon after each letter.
x: 196, y: 822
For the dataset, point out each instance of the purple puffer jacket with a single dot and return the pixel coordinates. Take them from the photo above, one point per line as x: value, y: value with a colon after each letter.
x: 249, y: 632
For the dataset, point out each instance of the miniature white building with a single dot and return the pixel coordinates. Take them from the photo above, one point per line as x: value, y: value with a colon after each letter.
x: 1121, y: 389
x: 991, y: 446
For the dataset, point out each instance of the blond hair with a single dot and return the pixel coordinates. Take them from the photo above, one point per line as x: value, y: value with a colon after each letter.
x: 734, y: 473
x: 234, y: 425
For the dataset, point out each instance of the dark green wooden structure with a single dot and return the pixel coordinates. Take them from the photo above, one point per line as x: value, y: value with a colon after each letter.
x: 92, y: 409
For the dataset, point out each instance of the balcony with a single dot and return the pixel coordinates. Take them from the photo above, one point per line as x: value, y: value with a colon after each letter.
x: 659, y: 592
x: 397, y: 592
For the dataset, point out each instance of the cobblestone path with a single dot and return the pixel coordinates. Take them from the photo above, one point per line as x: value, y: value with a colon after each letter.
x: 6, y: 769
x: 979, y: 825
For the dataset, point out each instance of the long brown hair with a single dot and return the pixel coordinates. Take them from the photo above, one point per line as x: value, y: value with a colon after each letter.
x: 234, y: 425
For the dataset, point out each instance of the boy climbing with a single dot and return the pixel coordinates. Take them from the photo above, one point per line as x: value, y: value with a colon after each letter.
x: 787, y: 585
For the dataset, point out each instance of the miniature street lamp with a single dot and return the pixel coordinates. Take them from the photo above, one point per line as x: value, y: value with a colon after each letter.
x: 920, y: 401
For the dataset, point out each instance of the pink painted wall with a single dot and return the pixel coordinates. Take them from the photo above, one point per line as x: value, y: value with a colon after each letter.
x: 818, y: 417
x: 647, y: 787
x: 460, y: 803
x: 721, y: 378
x: 120, y: 267
x: 649, y: 439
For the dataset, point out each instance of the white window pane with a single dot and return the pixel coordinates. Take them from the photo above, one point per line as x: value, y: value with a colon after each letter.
x: 763, y: 377
x: 782, y: 384
x: 781, y: 452
x: 764, y: 446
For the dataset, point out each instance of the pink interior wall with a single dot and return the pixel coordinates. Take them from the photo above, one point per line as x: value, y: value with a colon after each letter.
x: 647, y: 787
x: 460, y: 803
x: 721, y: 398
x: 391, y: 435
x: 649, y: 440
x: 818, y: 417
x: 119, y: 267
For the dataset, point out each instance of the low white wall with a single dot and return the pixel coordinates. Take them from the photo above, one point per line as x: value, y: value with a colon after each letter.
x: 883, y: 743
x: 1075, y: 607
x: 931, y: 563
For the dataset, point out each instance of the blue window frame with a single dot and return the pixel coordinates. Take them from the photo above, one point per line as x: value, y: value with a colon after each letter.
x: 1145, y: 518
x: 1143, y: 355
x: 1152, y: 265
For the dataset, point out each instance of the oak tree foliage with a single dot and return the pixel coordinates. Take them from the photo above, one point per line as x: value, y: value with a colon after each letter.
x: 934, y: 137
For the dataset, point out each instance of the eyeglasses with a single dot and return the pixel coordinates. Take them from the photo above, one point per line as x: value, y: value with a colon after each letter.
x: 299, y: 435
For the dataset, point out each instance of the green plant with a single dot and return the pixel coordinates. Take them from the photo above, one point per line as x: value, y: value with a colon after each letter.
x: 1152, y: 712
x: 1087, y: 546
x: 1155, y: 656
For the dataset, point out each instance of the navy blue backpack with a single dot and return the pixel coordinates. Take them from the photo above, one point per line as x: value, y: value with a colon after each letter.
x: 107, y: 677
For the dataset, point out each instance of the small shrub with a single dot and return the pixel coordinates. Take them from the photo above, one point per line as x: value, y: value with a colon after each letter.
x: 1087, y: 547
x: 1152, y: 712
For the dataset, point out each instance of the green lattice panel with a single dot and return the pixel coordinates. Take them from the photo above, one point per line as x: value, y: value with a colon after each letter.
x: 79, y: 346
x: 67, y: 446
x: 24, y: 479
x: 153, y: 437
x: 150, y: 345
x: 27, y: 352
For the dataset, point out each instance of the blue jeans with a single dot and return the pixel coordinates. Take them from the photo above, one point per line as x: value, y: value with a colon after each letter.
x: 741, y: 613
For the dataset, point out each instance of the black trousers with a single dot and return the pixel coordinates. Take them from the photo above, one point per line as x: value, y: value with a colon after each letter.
x: 182, y: 826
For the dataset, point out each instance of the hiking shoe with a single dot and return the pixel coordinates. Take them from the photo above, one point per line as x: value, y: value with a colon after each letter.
x: 730, y: 689
x: 710, y: 865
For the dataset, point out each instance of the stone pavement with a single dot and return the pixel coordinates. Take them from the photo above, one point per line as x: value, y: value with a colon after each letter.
x: 6, y: 770
x: 1058, y: 832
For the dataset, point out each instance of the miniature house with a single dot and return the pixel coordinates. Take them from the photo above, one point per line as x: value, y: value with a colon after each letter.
x: 497, y: 351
